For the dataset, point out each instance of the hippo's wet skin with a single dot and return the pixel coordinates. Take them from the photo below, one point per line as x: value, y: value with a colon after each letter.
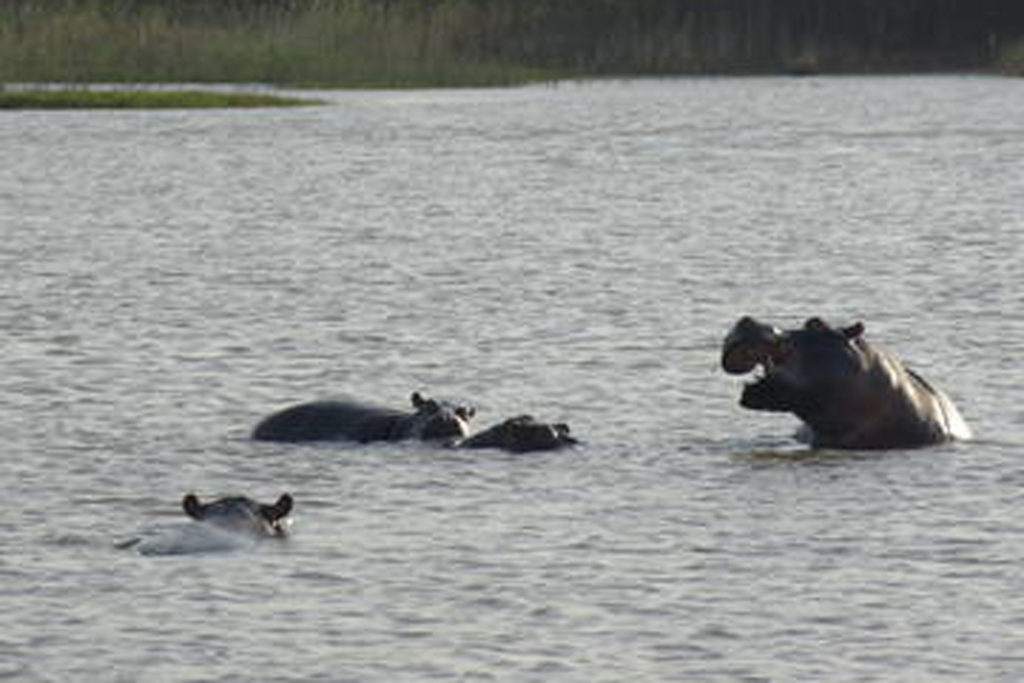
x: 521, y: 434
x: 241, y: 514
x: 848, y: 393
x: 343, y: 420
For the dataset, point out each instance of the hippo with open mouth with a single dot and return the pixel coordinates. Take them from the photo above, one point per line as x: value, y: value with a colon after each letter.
x: 521, y: 434
x: 345, y: 420
x: 241, y: 514
x: 848, y: 393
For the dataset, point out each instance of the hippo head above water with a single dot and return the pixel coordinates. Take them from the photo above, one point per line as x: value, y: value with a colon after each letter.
x: 522, y: 434
x: 849, y: 394
x: 435, y: 419
x: 238, y: 513
x: 800, y: 367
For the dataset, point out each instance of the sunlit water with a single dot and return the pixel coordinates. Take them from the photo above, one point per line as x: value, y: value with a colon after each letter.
x: 576, y: 252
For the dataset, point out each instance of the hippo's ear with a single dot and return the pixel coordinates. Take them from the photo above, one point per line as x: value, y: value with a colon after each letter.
x: 816, y: 324
x: 465, y: 412
x: 279, y: 509
x: 854, y: 330
x: 191, y: 506
x: 417, y: 399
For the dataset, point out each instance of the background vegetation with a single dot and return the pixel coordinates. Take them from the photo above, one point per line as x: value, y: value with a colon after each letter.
x: 139, y: 99
x: 450, y: 42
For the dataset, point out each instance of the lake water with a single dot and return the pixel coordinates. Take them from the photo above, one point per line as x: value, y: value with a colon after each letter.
x: 577, y: 252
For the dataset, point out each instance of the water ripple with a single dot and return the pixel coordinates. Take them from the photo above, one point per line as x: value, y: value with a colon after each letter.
x: 574, y: 252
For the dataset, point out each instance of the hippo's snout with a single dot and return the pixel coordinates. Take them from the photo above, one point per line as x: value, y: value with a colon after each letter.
x: 748, y: 344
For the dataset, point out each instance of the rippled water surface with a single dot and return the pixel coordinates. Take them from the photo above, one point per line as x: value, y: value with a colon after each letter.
x: 576, y: 252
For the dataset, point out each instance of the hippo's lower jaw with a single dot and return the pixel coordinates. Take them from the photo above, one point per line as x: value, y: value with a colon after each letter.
x: 768, y: 393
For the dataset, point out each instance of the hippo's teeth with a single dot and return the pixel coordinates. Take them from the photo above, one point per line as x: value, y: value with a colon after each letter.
x: 764, y: 367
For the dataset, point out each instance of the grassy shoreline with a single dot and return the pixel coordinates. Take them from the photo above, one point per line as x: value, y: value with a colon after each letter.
x: 1011, y: 60
x: 336, y: 43
x: 84, y: 98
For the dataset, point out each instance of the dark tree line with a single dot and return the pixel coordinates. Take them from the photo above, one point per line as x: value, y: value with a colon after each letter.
x: 744, y: 34
x: 306, y: 39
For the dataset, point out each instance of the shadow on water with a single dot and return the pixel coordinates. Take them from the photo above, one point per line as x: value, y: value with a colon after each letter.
x: 803, y: 455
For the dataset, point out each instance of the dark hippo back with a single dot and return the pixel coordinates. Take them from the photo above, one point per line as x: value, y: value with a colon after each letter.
x: 347, y: 420
x: 329, y: 421
x: 521, y: 434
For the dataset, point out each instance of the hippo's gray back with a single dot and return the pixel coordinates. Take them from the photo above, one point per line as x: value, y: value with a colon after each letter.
x: 334, y: 420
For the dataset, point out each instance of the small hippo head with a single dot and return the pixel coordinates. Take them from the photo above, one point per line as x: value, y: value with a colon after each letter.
x: 522, y: 434
x: 803, y: 369
x: 239, y: 513
x: 439, y: 419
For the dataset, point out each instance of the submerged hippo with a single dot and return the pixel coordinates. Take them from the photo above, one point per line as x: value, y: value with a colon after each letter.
x: 521, y: 434
x: 848, y: 393
x: 343, y: 420
x: 241, y: 514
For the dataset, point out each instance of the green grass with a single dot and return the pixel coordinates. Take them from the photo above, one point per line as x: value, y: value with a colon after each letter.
x: 77, y: 98
x: 1011, y: 60
x: 336, y: 43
